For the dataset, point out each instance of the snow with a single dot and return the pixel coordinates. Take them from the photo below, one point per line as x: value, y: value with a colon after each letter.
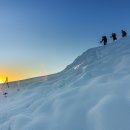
x: 92, y: 93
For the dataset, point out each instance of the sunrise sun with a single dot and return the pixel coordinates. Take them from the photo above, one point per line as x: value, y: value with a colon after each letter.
x: 1, y: 81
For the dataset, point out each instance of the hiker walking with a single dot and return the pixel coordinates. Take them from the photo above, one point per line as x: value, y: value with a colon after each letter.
x: 114, y: 36
x: 5, y: 93
x: 124, y: 33
x: 6, y: 82
x: 4, y: 87
x: 104, y: 40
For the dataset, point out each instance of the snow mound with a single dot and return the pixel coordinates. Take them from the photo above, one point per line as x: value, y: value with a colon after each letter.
x: 92, y: 93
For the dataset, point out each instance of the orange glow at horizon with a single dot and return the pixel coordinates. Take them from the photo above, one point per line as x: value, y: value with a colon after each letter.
x: 17, y: 73
x: 1, y: 81
x: 10, y: 78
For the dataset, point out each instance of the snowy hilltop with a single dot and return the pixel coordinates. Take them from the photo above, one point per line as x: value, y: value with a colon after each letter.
x: 92, y: 93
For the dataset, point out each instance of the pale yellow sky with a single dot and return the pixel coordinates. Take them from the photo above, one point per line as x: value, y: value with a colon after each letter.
x: 18, y: 73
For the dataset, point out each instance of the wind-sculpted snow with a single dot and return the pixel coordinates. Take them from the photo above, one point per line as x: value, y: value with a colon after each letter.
x: 92, y: 93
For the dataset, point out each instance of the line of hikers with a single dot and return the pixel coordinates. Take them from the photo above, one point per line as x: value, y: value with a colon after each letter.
x: 113, y: 36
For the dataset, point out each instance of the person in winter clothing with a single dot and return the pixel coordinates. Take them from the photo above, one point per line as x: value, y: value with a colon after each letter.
x: 104, y: 40
x: 5, y: 94
x: 114, y: 36
x: 6, y: 82
x: 124, y: 33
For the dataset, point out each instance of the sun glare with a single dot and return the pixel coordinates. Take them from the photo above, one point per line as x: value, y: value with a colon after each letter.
x: 1, y: 81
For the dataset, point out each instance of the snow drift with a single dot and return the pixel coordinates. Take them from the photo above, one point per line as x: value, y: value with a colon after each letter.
x: 92, y: 93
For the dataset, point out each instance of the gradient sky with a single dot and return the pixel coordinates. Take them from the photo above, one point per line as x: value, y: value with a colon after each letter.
x: 39, y: 37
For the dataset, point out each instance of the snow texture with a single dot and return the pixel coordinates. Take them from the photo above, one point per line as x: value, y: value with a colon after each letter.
x: 92, y: 93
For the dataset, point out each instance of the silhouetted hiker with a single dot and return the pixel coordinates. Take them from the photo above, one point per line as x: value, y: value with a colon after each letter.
x: 6, y: 82
x: 5, y: 94
x: 124, y: 33
x: 104, y: 40
x: 113, y: 36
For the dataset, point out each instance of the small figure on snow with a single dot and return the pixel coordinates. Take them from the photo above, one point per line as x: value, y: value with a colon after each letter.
x: 5, y: 94
x: 114, y: 36
x: 6, y: 82
x: 124, y: 33
x: 104, y: 40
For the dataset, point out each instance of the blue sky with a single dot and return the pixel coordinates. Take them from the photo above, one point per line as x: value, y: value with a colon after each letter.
x: 40, y: 37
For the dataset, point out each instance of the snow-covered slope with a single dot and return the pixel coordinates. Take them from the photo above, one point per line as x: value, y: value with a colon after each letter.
x: 92, y: 93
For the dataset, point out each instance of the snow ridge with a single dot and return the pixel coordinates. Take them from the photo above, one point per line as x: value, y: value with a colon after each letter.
x: 92, y: 93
